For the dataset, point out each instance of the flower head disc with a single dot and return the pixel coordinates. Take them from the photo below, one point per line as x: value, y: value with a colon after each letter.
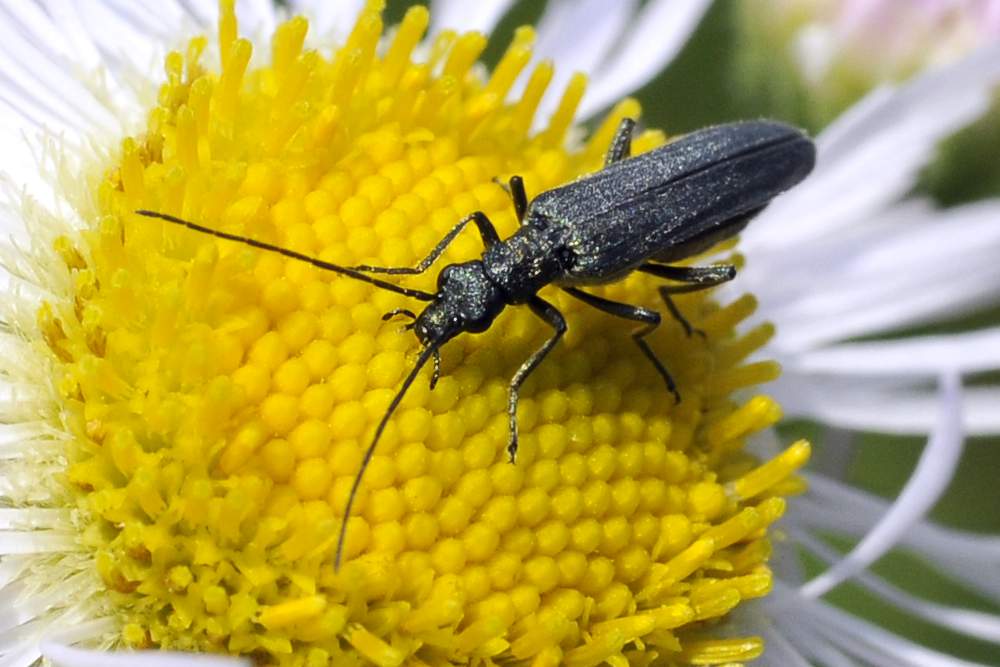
x: 217, y: 399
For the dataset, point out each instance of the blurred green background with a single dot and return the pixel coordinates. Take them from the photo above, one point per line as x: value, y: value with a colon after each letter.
x: 718, y: 77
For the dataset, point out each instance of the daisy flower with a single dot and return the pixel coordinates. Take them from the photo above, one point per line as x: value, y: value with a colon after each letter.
x: 184, y: 416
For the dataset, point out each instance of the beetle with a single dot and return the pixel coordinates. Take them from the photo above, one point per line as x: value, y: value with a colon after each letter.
x: 639, y: 213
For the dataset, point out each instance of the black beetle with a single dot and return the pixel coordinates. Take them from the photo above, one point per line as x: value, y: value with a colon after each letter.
x: 637, y: 214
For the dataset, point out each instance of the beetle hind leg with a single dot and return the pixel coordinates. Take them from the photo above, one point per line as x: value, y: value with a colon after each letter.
x: 696, y: 278
x: 650, y: 318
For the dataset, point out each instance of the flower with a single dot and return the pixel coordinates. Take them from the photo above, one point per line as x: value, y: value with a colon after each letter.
x: 205, y: 405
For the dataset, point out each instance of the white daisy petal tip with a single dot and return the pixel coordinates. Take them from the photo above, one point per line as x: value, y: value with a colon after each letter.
x: 656, y: 35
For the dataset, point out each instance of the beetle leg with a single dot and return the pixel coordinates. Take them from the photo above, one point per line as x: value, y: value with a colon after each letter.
x: 697, y: 277
x: 554, y: 319
x: 621, y: 145
x: 677, y: 314
x: 701, y: 276
x: 516, y: 192
x: 519, y: 196
x: 486, y: 230
x: 650, y: 318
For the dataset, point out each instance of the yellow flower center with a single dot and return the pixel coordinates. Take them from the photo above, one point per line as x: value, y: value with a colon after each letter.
x: 220, y: 397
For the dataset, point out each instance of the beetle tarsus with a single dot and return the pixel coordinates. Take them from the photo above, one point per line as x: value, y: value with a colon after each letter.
x: 554, y: 319
x: 621, y: 145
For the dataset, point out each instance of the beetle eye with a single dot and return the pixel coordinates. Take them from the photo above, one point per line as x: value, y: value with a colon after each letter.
x: 566, y: 256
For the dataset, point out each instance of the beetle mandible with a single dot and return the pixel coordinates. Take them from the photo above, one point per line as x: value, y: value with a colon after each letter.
x: 636, y: 214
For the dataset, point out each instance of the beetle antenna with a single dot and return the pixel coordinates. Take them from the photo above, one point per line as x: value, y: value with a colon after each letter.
x: 437, y: 368
x: 291, y: 254
x: 425, y: 354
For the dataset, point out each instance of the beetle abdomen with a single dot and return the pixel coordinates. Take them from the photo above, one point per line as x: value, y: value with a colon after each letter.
x: 676, y: 200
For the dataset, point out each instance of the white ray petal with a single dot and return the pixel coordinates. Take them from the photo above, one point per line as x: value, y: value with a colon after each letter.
x: 780, y: 652
x: 130, y: 40
x: 35, y: 84
x: 76, y: 41
x: 202, y: 13
x: 32, y: 19
x: 462, y: 15
x: 884, y: 306
x: 68, y: 656
x: 34, y: 518
x: 870, y: 156
x: 569, y: 34
x: 975, y: 624
x: 871, y: 643
x: 656, y: 35
x: 162, y: 20
x: 887, y: 407
x: 907, y: 266
x: 968, y: 557
x: 37, y: 541
x: 263, y: 15
x: 24, y: 655
x: 328, y: 20
x: 966, y: 352
x: 928, y: 481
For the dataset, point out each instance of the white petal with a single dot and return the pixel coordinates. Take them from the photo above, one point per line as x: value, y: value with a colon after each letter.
x: 882, y: 406
x: 909, y: 264
x: 968, y: 557
x: 462, y: 15
x: 329, y: 20
x: 34, y: 84
x: 871, y: 155
x: 968, y: 352
x: 928, y: 481
x: 779, y: 651
x: 34, y: 518
x: 867, y: 642
x: 975, y: 624
x: 569, y: 35
x: 67, y: 656
x: 655, y: 37
x: 70, y: 41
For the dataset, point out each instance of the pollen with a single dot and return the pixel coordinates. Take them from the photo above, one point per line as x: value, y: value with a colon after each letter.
x: 217, y: 399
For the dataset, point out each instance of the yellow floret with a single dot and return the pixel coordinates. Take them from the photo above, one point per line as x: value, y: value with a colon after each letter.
x: 220, y: 398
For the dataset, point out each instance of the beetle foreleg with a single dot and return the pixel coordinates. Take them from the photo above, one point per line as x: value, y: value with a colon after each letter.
x: 621, y: 145
x: 486, y: 230
x: 516, y: 192
x: 553, y: 318
x: 626, y: 311
x: 519, y: 196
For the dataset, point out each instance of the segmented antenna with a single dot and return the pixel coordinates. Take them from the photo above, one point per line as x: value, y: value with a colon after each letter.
x: 425, y: 354
x: 291, y: 254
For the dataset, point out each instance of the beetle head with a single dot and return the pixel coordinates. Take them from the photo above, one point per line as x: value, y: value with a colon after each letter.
x: 465, y: 301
